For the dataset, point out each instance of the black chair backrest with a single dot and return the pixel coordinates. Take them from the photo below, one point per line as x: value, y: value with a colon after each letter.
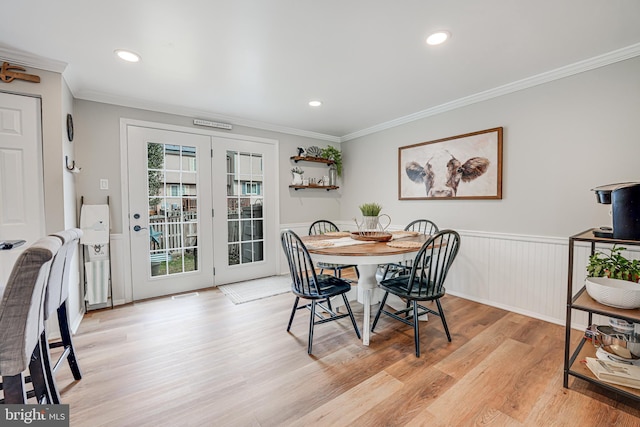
x: 431, y: 264
x: 423, y: 226
x: 322, y: 226
x: 304, y: 281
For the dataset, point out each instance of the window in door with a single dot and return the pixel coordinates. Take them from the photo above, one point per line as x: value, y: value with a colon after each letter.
x: 245, y: 179
x: 173, y: 208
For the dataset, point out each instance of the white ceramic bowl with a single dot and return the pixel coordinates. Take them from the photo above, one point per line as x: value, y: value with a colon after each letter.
x: 614, y: 292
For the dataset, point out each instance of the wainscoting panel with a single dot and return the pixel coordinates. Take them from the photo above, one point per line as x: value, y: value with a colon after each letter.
x: 523, y: 274
x: 518, y: 273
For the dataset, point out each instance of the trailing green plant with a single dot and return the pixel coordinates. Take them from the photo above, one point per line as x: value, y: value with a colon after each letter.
x: 370, y: 209
x: 613, y: 265
x: 332, y: 153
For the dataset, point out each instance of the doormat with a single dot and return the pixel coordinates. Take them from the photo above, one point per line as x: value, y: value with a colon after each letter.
x: 252, y: 290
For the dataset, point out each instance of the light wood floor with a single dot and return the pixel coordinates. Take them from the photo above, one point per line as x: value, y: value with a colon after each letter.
x: 203, y: 361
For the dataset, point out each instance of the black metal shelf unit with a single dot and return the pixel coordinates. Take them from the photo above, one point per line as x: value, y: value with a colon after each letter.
x: 583, y: 302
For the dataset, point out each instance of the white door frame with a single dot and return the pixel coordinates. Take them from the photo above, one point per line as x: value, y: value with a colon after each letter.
x: 124, y: 187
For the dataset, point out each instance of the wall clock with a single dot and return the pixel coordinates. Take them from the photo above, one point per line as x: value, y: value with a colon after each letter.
x: 70, y: 127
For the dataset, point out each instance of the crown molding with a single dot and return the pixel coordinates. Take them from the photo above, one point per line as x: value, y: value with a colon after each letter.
x: 30, y: 60
x: 546, y: 77
x: 27, y: 59
x: 200, y: 114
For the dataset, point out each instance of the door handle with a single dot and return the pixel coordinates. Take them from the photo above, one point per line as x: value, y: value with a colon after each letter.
x: 138, y: 228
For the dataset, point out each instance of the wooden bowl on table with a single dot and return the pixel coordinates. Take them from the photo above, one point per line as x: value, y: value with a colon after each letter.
x: 371, y: 236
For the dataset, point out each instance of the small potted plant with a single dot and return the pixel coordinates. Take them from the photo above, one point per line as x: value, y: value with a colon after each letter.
x: 370, y: 209
x: 371, y: 218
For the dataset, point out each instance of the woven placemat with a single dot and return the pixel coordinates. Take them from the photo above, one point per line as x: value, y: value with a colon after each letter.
x: 404, y: 233
x: 404, y: 245
x: 337, y: 233
x: 319, y: 244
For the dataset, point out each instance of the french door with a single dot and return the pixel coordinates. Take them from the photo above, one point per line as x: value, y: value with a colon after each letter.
x: 199, y: 205
x: 170, y: 211
x: 245, y: 199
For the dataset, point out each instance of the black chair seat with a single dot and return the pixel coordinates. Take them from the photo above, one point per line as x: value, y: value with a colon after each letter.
x: 398, y: 287
x: 330, y: 286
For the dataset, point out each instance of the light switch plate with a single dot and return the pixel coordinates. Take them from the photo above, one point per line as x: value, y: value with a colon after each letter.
x: 104, y: 184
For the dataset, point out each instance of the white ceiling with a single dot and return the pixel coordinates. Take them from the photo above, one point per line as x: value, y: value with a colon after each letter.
x: 258, y: 62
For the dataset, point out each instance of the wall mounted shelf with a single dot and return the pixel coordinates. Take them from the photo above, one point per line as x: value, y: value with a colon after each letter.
x: 314, y: 187
x: 312, y: 159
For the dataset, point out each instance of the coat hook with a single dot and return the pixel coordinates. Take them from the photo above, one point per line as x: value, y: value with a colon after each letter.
x: 71, y: 168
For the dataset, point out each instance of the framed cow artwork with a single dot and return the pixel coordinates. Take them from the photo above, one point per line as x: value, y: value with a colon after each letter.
x: 462, y: 167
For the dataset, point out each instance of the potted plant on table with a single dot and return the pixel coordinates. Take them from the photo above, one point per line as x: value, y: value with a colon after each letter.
x: 371, y: 218
x: 370, y: 209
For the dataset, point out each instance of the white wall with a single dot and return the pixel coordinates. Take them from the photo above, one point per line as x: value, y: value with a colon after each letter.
x: 59, y: 185
x: 97, y: 144
x: 50, y: 90
x: 560, y: 140
x: 98, y: 153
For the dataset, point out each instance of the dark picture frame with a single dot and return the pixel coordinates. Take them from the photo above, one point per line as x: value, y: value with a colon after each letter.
x: 461, y: 167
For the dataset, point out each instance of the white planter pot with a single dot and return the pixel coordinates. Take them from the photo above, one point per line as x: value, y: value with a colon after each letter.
x: 614, y: 292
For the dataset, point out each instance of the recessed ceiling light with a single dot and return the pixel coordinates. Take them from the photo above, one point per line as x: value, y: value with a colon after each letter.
x: 127, y: 55
x: 315, y: 103
x: 438, y: 38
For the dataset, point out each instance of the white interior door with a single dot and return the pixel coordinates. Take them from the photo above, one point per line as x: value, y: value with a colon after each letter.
x: 170, y: 211
x: 21, y: 179
x: 245, y: 199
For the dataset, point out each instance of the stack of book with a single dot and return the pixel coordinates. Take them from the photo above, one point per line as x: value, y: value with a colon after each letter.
x: 615, y: 372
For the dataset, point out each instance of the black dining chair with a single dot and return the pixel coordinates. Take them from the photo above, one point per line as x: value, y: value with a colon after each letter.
x: 324, y: 226
x: 425, y: 282
x: 317, y: 288
x: 422, y: 226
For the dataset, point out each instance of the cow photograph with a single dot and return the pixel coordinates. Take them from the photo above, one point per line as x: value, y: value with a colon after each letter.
x: 465, y: 166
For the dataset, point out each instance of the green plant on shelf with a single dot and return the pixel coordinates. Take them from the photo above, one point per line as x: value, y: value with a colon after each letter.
x: 613, y: 265
x: 332, y: 153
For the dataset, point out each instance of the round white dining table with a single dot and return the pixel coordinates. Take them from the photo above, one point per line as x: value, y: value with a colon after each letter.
x: 367, y: 256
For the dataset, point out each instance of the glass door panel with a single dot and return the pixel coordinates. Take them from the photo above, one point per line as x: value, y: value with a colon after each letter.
x: 173, y: 208
x: 245, y: 177
x: 170, y: 235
